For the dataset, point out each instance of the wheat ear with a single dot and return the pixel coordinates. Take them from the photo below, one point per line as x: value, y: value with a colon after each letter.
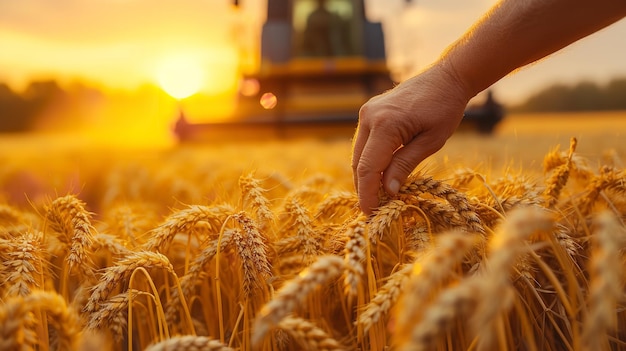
x: 559, y: 178
x: 185, y: 221
x: 253, y: 195
x: 23, y: 265
x: 308, y: 335
x: 606, y: 274
x: 17, y: 325
x: 428, y: 273
x: 9, y: 215
x: 355, y: 254
x: 252, y: 249
x: 509, y: 242
x: 310, y: 244
x: 383, y: 217
x: 13, y: 320
x: 67, y: 216
x: 385, y: 298
x: 609, y: 178
x: 294, y: 293
x: 437, y: 317
x: 330, y: 205
x: 112, y: 314
x: 189, y: 343
x: 419, y: 184
x: 115, y: 275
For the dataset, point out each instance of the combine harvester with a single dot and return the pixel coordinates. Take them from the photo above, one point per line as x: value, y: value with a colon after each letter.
x: 320, y: 61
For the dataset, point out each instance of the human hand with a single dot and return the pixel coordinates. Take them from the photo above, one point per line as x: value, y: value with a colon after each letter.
x: 400, y: 128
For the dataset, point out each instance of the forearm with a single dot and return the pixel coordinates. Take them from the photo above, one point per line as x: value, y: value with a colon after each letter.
x: 517, y: 32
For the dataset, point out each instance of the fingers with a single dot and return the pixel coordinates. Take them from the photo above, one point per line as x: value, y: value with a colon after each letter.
x: 381, y: 161
x: 374, y: 159
x: 361, y: 135
x: 406, y: 159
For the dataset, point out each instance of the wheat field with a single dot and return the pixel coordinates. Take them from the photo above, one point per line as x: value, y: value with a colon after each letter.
x: 509, y: 242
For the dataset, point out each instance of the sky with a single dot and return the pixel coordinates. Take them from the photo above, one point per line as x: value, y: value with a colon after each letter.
x: 123, y: 43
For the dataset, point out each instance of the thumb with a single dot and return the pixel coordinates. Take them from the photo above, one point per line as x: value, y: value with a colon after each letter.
x: 406, y: 159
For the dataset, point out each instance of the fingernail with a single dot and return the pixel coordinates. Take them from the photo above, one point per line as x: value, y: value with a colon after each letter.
x: 394, y: 186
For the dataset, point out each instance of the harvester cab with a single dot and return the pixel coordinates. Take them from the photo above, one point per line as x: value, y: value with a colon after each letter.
x: 320, y: 60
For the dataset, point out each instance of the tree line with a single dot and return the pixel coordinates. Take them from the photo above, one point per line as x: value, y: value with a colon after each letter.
x: 45, y: 103
x: 583, y: 96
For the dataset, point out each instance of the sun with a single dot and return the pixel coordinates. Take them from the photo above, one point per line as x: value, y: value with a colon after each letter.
x: 181, y: 75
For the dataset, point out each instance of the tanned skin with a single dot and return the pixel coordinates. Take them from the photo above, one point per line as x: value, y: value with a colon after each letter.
x: 402, y: 127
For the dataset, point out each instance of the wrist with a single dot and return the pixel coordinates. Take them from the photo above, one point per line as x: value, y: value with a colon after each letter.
x: 460, y: 85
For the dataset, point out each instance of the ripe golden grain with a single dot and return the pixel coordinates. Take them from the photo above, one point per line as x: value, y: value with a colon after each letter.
x: 189, y: 343
x: 607, y: 282
x: 112, y: 314
x: 253, y: 195
x: 184, y: 222
x: 120, y: 272
x: 68, y: 217
x: 23, y: 264
x: 294, y: 292
x: 427, y: 275
x: 252, y: 249
x: 308, y: 335
x: 355, y: 255
x: 459, y: 259
x: 559, y: 177
x: 18, y: 321
x: 385, y: 298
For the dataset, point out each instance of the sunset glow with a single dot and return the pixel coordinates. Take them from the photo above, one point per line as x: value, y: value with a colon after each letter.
x: 180, y: 76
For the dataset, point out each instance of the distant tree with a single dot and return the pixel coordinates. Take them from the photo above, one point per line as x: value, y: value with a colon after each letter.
x: 615, y: 94
x: 16, y: 113
x: 25, y: 111
x: 584, y: 96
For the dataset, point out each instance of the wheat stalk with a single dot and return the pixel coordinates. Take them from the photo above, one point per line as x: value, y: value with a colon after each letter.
x: 196, y: 271
x: 606, y: 289
x: 293, y: 293
x: 114, y: 275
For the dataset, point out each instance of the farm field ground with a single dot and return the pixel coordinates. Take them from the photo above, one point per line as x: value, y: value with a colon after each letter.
x: 261, y: 244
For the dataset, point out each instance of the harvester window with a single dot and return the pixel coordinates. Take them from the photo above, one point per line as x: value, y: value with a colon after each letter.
x: 323, y: 27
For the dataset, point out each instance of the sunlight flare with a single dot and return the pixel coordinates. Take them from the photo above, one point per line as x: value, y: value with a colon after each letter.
x: 180, y: 76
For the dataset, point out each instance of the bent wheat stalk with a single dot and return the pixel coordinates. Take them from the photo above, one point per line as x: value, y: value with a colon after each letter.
x: 117, y: 274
